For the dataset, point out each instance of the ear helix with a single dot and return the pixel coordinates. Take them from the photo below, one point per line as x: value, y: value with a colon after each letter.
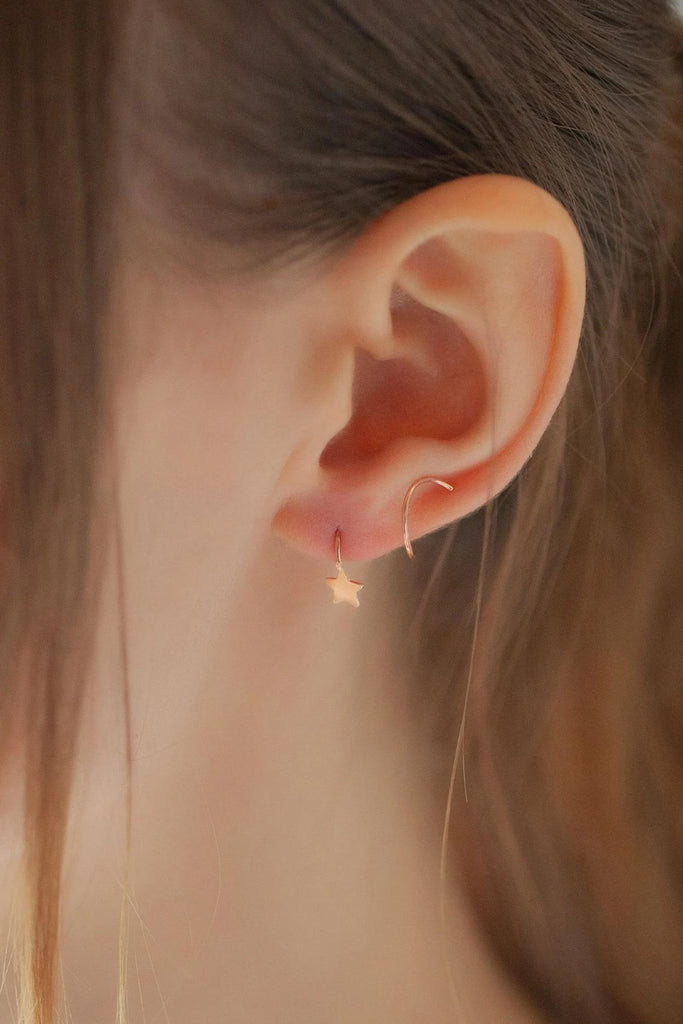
x: 346, y: 590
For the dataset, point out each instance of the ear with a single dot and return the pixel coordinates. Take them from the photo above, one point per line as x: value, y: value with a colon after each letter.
x: 463, y: 307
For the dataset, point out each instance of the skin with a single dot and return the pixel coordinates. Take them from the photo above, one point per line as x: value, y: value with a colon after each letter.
x: 286, y: 838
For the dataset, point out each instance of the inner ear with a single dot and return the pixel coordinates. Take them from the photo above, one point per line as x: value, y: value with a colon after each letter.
x: 437, y: 390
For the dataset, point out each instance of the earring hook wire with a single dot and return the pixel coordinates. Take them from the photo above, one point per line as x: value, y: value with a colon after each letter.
x: 406, y: 505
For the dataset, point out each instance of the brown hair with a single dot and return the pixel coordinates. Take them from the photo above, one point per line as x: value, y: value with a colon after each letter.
x: 280, y: 144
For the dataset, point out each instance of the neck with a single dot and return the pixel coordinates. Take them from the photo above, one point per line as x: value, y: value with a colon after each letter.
x: 285, y: 854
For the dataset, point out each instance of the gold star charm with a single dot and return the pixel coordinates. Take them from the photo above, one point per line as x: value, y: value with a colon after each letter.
x: 342, y: 587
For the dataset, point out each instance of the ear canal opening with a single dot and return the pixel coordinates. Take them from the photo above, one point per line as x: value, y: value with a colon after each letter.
x: 434, y: 388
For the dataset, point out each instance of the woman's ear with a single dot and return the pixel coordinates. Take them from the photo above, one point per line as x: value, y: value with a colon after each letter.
x: 464, y: 308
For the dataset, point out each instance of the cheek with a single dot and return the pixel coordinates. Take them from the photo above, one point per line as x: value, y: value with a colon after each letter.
x: 201, y: 413
x: 202, y: 423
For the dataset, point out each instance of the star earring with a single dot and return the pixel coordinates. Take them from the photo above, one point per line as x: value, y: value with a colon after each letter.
x: 345, y: 589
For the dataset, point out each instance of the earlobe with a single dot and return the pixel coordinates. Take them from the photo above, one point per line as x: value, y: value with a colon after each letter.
x: 465, y: 307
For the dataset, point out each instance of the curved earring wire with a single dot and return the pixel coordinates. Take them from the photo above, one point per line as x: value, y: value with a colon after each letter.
x: 342, y: 587
x: 406, y: 503
x: 337, y: 539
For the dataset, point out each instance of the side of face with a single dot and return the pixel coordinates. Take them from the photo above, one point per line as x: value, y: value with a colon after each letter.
x: 440, y: 342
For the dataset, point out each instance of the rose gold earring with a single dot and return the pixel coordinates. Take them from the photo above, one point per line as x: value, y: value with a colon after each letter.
x: 406, y: 503
x: 346, y: 590
x: 343, y: 588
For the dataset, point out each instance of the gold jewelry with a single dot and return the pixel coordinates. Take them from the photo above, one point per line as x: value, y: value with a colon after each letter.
x: 343, y: 588
x: 406, y: 502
